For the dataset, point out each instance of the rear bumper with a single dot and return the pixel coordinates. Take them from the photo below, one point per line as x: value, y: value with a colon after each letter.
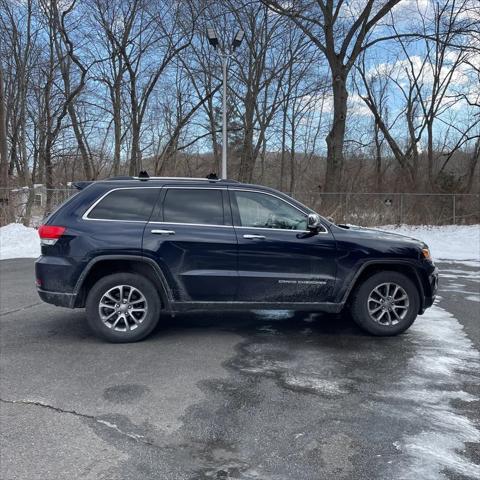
x: 60, y: 299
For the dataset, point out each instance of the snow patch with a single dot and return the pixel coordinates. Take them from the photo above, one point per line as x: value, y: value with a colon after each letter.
x: 473, y: 298
x: 317, y: 384
x: 274, y: 314
x: 447, y: 242
x: 18, y: 241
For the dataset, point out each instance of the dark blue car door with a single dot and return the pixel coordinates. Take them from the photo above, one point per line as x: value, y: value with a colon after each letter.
x: 190, y: 235
x: 279, y: 260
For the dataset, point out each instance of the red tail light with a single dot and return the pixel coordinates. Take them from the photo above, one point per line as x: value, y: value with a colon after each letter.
x: 49, y: 234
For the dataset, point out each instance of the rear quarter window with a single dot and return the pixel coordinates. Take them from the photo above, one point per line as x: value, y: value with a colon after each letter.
x: 128, y: 204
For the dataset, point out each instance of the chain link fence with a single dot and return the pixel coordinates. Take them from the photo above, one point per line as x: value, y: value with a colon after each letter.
x: 29, y: 206
x: 371, y: 209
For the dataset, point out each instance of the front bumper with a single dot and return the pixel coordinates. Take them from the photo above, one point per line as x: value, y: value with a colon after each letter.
x: 431, y: 293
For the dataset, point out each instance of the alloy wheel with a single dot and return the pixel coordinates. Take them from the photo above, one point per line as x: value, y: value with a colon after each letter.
x: 388, y: 304
x: 123, y: 308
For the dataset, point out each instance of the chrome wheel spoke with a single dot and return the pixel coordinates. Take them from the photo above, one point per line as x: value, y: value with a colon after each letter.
x: 130, y: 295
x: 107, y: 295
x: 133, y: 318
x: 380, y: 294
x: 138, y: 301
x: 104, y: 305
x: 115, y: 323
x: 107, y: 317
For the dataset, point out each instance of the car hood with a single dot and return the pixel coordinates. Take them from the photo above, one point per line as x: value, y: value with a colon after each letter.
x: 379, y: 234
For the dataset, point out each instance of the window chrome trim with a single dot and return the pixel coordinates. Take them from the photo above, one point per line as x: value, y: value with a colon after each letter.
x: 275, y: 229
x: 191, y: 187
x: 190, y: 224
x: 85, y: 215
x: 325, y: 230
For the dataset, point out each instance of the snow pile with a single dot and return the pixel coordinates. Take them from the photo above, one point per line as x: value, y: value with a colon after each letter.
x: 18, y: 241
x: 447, y: 242
x: 450, y: 242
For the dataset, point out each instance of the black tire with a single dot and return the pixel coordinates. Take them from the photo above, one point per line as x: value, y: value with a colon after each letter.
x: 359, y: 306
x: 133, y: 330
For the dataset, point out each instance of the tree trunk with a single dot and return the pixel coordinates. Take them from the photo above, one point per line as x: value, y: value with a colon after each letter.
x: 117, y: 122
x: 4, y: 183
x: 247, y: 161
x: 430, y: 152
x: 378, y: 160
x: 336, y: 136
x: 284, y: 147
x: 48, y: 175
x: 87, y: 168
x: 472, y: 166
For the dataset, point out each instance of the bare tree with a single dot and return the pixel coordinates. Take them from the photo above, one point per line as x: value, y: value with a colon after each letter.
x: 425, y: 84
x: 67, y: 58
x: 341, y: 34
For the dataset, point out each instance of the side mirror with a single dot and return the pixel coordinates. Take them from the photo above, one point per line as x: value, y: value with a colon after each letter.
x: 313, y: 221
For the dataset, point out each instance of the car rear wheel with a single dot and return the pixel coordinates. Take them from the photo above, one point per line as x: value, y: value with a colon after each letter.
x: 387, y: 303
x: 123, y: 307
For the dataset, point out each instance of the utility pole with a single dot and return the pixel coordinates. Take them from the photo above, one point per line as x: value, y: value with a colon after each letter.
x: 225, y: 57
x: 224, y: 117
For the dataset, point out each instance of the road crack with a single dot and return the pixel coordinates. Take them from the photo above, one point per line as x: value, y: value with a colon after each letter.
x: 20, y: 309
x: 37, y: 403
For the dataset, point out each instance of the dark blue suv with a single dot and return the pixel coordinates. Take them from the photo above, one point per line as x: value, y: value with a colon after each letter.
x: 129, y: 249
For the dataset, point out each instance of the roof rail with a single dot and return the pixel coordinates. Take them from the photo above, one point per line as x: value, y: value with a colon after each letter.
x: 197, y: 179
x: 81, y: 185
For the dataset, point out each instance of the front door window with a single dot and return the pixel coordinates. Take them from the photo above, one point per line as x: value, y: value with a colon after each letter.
x: 259, y: 210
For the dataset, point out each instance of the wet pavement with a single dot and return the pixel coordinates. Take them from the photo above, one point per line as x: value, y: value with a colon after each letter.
x: 259, y: 395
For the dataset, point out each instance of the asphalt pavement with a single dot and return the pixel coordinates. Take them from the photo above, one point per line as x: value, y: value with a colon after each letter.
x: 259, y: 395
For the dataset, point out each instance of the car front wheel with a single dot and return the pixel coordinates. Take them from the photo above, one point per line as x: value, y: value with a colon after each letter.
x: 123, y: 307
x: 387, y: 303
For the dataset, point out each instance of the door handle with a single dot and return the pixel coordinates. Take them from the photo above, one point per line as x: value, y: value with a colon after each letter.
x: 254, y: 237
x: 163, y: 232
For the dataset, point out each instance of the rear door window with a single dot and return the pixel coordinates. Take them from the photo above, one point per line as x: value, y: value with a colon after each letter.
x: 193, y: 206
x: 127, y: 204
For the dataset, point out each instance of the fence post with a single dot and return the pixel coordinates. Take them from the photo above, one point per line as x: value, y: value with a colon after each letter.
x: 454, y: 210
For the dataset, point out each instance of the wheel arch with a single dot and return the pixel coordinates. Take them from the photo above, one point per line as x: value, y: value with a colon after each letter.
x: 105, y: 265
x: 370, y: 268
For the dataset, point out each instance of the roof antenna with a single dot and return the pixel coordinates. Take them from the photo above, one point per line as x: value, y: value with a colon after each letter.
x: 143, y: 175
x: 212, y: 176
